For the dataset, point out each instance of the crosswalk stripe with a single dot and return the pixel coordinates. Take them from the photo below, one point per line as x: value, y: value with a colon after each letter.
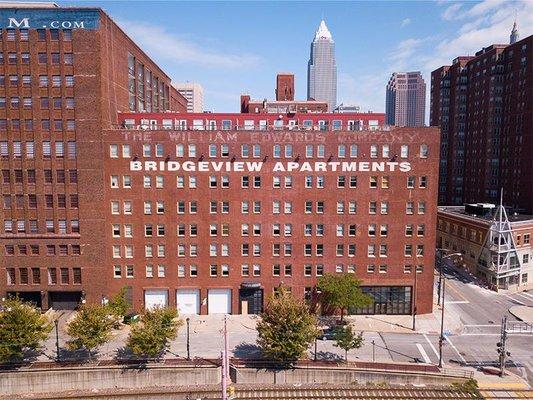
x: 432, y: 347
x: 424, y: 354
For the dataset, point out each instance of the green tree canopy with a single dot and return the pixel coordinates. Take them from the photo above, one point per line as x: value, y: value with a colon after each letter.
x: 118, y: 305
x: 347, y: 339
x: 152, y: 334
x: 22, y: 328
x: 90, y: 328
x: 342, y: 291
x: 286, y: 328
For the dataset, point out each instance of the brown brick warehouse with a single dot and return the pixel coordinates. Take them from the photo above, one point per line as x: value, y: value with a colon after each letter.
x: 167, y: 205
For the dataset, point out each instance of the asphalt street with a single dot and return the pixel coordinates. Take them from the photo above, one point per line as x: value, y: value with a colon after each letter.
x: 479, y: 309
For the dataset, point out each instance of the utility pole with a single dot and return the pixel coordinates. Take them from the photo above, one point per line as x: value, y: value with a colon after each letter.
x: 440, y: 275
x: 226, y: 345
x: 414, y: 301
x: 224, y: 358
x: 441, y: 338
x: 501, y: 346
x: 58, y: 354
x: 373, y: 351
x: 188, y: 342
x: 223, y: 370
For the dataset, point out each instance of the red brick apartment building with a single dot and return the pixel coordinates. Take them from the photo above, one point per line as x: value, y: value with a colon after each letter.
x: 212, y: 212
x: 104, y: 188
x: 65, y: 73
x: 484, y: 107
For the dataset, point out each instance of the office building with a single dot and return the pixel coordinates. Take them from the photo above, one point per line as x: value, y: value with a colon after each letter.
x: 65, y: 74
x: 406, y: 99
x: 322, y: 68
x: 194, y: 93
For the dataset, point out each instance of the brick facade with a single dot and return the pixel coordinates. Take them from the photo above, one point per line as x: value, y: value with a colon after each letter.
x: 60, y: 89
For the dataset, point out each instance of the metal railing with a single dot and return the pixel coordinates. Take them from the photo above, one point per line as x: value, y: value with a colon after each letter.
x: 267, y: 128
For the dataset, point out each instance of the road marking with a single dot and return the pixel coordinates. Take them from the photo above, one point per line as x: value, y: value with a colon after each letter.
x: 432, y: 347
x: 424, y: 354
x: 483, y: 326
x: 457, y: 302
x: 527, y: 294
x: 515, y: 300
x: 522, y: 295
x: 455, y: 348
x: 497, y: 334
x: 456, y: 291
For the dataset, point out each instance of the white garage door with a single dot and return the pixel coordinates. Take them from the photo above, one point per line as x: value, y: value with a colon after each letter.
x: 219, y: 301
x: 188, y: 301
x: 155, y: 298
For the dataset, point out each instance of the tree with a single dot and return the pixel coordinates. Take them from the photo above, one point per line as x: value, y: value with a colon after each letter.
x: 342, y: 292
x: 347, y: 339
x: 90, y: 328
x: 22, y: 328
x: 118, y: 305
x: 152, y: 334
x: 286, y: 328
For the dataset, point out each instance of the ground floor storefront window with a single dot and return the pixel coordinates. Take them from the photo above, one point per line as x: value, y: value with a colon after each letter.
x: 387, y: 300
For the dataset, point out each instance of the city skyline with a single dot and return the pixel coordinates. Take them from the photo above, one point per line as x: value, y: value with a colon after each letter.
x: 208, y: 45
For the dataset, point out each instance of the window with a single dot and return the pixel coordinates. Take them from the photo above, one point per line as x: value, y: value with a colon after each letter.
x: 384, y: 182
x: 422, y: 182
x: 423, y: 151
x: 373, y: 182
x: 373, y: 151
x: 404, y: 151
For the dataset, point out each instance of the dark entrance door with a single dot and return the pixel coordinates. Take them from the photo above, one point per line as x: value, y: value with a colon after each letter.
x: 64, y: 300
x: 30, y: 297
x: 254, y: 299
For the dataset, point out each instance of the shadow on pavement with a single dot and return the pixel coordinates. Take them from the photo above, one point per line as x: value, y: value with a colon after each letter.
x: 247, y: 350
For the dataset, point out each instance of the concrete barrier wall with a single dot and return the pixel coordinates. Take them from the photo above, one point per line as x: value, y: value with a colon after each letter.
x: 58, y: 380
x: 338, y: 375
x: 116, y: 377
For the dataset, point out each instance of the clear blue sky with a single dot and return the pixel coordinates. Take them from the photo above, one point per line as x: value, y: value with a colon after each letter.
x: 236, y: 47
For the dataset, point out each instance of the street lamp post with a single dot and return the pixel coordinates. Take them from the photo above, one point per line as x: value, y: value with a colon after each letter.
x: 441, y: 338
x: 188, y: 343
x: 58, y: 356
x: 316, y: 340
x: 373, y: 351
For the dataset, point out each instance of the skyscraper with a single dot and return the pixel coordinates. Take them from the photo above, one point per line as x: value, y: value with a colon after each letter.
x: 322, y: 68
x: 406, y: 99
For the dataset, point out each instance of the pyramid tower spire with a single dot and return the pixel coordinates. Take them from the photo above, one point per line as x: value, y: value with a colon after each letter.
x: 513, y: 38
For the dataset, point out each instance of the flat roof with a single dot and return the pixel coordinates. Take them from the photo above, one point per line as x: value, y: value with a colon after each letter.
x: 460, y: 210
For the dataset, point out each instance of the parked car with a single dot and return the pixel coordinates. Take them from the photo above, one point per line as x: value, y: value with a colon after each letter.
x: 327, y: 334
